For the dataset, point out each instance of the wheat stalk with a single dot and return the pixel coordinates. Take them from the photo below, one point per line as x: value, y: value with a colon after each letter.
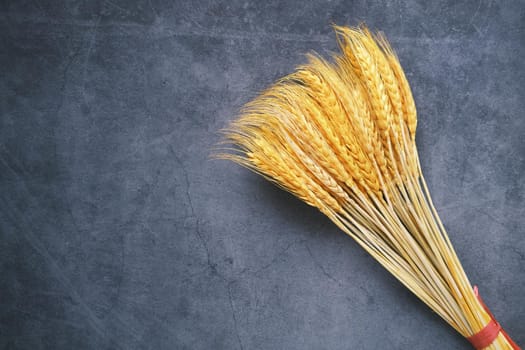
x: 341, y: 137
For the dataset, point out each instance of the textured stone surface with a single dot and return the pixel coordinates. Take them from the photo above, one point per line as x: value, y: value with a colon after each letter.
x: 118, y: 232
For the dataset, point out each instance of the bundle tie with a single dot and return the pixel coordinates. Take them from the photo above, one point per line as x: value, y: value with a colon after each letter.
x: 489, y: 333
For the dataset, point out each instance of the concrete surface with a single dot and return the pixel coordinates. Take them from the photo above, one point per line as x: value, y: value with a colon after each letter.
x: 117, y: 232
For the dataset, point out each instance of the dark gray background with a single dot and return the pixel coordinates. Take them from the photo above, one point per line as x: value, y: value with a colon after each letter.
x: 118, y: 232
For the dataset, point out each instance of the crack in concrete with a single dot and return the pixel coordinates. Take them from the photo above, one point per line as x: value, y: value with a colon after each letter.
x: 321, y: 267
x: 275, y: 258
x: 198, y: 231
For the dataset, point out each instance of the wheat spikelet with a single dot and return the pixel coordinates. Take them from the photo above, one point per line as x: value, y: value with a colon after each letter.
x: 341, y: 137
x: 366, y: 69
x: 321, y: 80
x: 364, y: 126
x: 409, y: 107
x: 298, y: 119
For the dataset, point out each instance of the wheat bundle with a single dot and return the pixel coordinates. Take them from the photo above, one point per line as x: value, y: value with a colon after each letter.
x: 340, y: 135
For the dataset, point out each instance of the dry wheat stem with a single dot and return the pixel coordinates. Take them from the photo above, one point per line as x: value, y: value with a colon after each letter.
x: 340, y: 136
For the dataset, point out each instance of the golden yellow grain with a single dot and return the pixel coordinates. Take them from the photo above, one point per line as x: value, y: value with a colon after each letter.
x: 409, y: 106
x: 364, y: 66
x: 341, y: 137
x: 329, y: 92
x: 360, y: 116
x: 392, y: 90
x: 299, y: 120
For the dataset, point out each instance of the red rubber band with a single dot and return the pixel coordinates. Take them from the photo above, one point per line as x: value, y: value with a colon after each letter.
x: 486, y: 336
x: 489, y: 333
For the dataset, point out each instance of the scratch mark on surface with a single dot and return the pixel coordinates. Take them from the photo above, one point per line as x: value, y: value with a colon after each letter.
x: 91, y: 44
x: 189, y: 199
x: 20, y: 223
x: 471, y: 22
x: 455, y: 206
x: 167, y: 32
x: 120, y: 8
x: 490, y: 216
x: 234, y: 316
x: 321, y: 267
x: 279, y: 255
x: 4, y: 159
